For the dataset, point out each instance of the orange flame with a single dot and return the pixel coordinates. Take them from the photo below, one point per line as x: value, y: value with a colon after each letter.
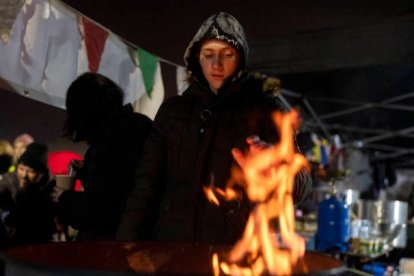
x: 267, y: 174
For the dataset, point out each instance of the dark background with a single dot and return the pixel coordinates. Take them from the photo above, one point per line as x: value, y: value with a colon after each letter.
x: 330, y: 55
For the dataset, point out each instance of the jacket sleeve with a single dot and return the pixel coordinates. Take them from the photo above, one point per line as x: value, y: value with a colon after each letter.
x: 303, y: 180
x: 96, y: 207
x: 142, y: 205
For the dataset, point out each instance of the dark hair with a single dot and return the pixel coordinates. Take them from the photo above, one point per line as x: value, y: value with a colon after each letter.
x: 91, y: 99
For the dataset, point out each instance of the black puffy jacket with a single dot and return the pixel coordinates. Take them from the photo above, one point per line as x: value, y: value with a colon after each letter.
x: 190, y: 147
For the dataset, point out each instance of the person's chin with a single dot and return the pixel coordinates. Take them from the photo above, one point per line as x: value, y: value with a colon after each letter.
x: 217, y: 85
x: 23, y: 184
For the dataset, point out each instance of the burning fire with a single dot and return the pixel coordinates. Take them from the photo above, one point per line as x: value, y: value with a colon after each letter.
x: 267, y: 174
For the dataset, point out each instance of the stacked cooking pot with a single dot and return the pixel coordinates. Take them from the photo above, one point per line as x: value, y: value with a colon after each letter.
x: 388, y: 219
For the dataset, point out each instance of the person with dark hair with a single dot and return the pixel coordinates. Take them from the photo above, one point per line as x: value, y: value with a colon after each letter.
x: 25, y: 198
x: 191, y: 142
x: 115, y: 135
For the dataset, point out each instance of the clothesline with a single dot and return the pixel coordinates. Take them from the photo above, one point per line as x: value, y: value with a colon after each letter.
x: 129, y: 43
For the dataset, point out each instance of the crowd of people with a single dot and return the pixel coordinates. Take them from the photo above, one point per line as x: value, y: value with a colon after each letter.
x: 144, y: 179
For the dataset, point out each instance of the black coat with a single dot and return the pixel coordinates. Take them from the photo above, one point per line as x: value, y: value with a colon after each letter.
x: 35, y: 213
x: 107, y: 176
x: 29, y: 213
x: 189, y: 147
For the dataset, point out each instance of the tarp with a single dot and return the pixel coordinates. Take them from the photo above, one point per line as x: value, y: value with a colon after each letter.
x: 47, y: 49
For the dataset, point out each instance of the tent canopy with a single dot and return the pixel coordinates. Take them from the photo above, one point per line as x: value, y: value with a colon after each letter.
x: 348, y: 64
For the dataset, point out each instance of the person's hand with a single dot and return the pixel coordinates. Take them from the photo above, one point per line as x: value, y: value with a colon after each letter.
x: 57, y: 192
x: 256, y: 145
x: 74, y: 166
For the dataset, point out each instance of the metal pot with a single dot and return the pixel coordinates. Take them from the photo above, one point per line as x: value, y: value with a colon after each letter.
x: 389, y: 212
x: 388, y: 219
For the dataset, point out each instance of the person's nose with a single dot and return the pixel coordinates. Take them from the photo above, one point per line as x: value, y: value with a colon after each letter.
x: 217, y: 62
x: 24, y: 174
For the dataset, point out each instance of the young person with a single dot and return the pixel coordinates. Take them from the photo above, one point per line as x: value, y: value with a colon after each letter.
x: 191, y: 141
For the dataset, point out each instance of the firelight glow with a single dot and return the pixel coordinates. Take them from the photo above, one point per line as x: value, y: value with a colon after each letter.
x: 268, y: 176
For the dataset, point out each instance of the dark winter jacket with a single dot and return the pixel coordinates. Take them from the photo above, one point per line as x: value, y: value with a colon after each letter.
x: 28, y: 213
x: 107, y: 176
x: 35, y: 213
x: 190, y: 147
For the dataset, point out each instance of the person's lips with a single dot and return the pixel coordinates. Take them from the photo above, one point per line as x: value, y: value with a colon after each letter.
x: 217, y: 76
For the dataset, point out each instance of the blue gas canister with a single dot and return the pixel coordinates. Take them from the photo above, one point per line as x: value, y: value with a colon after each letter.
x: 333, y: 225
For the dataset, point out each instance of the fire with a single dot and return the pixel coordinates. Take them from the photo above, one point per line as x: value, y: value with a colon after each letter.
x: 267, y: 175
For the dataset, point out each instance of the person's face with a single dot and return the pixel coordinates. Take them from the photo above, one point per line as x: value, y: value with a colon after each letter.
x: 19, y: 148
x: 27, y: 175
x: 218, y: 61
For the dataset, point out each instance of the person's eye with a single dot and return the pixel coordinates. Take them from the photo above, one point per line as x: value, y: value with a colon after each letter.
x: 208, y: 56
x: 229, y: 55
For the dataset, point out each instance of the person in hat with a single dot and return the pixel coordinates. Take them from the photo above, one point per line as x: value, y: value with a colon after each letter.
x: 26, y: 203
x: 31, y: 170
x: 191, y: 142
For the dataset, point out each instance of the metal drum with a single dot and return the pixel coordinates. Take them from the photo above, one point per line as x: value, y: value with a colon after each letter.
x: 140, y: 258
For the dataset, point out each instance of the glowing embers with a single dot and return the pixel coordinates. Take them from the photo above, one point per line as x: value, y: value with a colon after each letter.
x: 267, y: 175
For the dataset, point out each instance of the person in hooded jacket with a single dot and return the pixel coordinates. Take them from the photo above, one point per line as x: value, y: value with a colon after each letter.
x: 191, y: 141
x: 116, y: 136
